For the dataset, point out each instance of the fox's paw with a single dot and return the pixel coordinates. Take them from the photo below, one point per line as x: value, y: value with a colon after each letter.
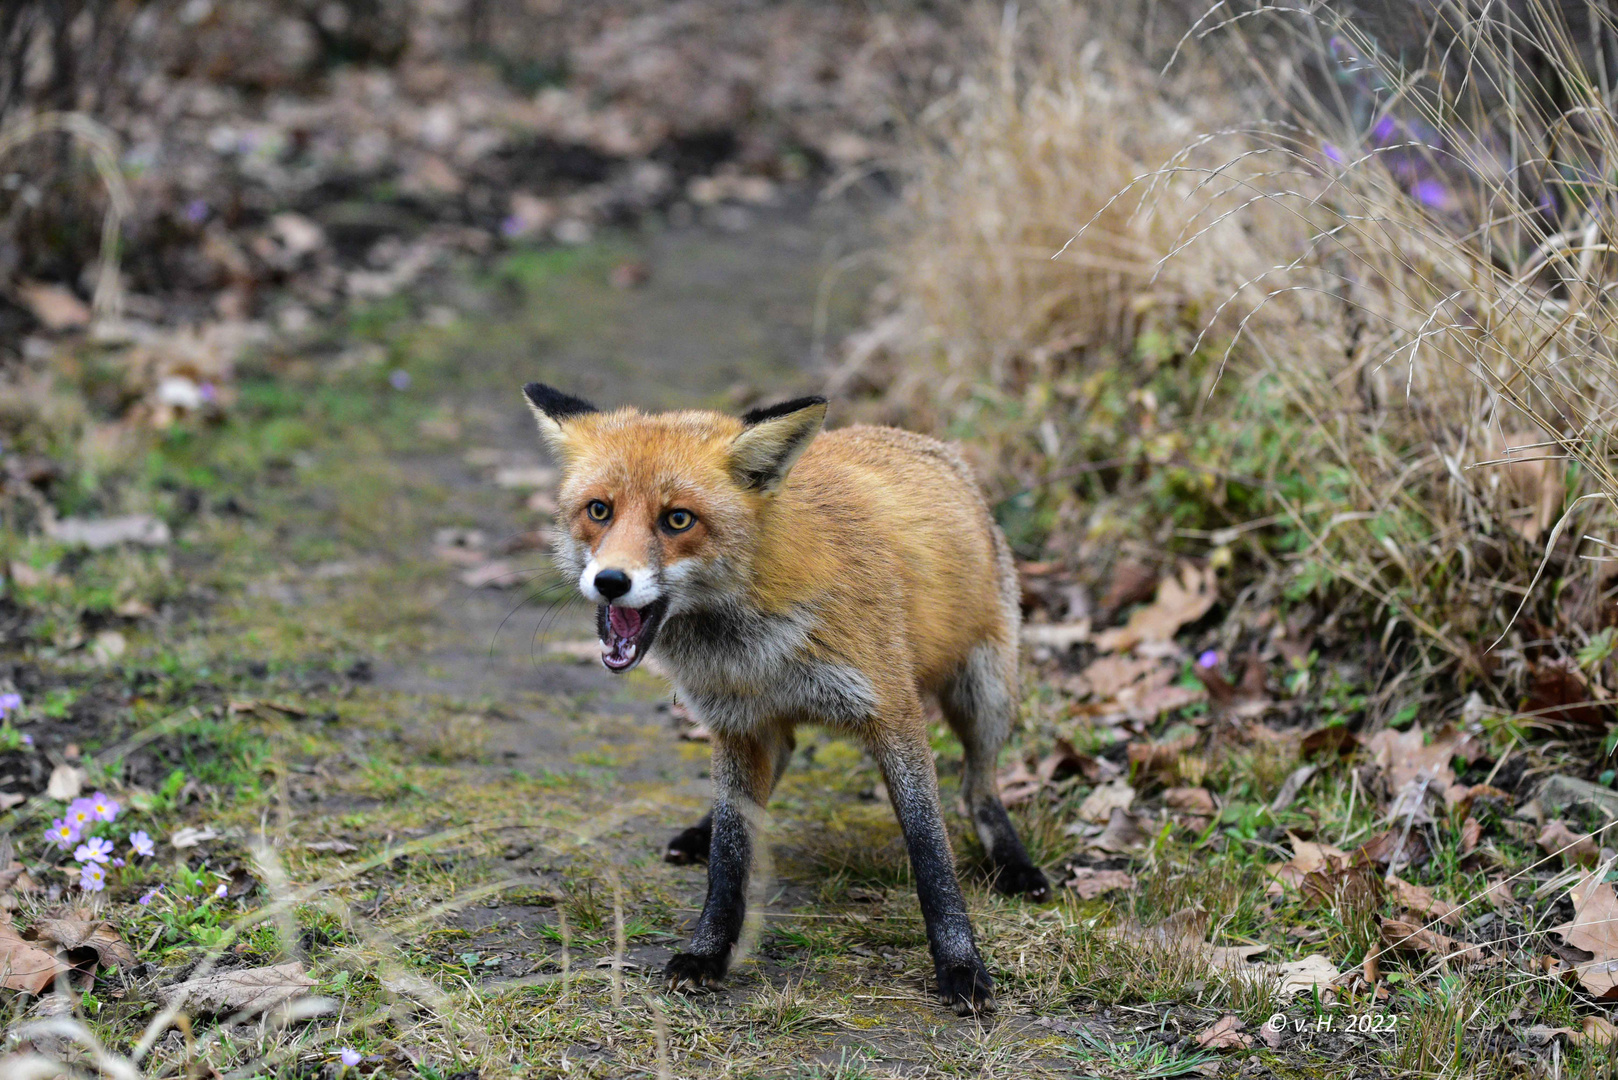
x: 690, y: 846
x: 692, y: 971
x: 966, y: 987
x: 1023, y: 879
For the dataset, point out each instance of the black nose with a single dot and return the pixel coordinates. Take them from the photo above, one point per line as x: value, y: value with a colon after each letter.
x: 612, y: 583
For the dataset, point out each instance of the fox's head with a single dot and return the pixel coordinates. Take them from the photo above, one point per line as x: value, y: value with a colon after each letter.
x: 658, y: 513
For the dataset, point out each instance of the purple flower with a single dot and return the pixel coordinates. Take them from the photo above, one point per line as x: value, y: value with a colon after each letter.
x: 62, y: 834
x: 147, y: 897
x: 219, y: 893
x: 399, y: 379
x: 349, y: 1056
x: 208, y: 392
x: 1431, y: 193
x: 93, y: 877
x: 1333, y: 155
x: 27, y: 739
x: 8, y: 703
x: 104, y: 806
x: 196, y: 211
x: 141, y: 841
x: 1209, y: 659
x: 94, y: 850
x: 81, y: 815
x: 511, y: 226
x: 119, y: 863
x: 1385, y: 129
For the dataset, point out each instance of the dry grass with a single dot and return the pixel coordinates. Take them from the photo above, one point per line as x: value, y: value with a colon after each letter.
x: 1336, y: 327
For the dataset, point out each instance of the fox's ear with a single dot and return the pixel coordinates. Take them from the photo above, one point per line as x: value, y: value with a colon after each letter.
x: 763, y: 454
x: 553, y: 409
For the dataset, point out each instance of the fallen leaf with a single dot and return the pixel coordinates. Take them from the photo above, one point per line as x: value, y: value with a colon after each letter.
x: 1394, y: 849
x: 1064, y: 761
x: 1190, y: 800
x: 98, y: 533
x: 1342, y: 887
x: 66, y: 782
x: 1557, y: 692
x: 85, y: 939
x: 249, y: 990
x: 1132, y: 582
x: 1576, y: 849
x: 1405, y: 936
x: 1057, y: 637
x: 1183, y: 932
x: 1109, y: 676
x: 1598, y: 1031
x: 190, y: 837
x: 1291, y: 786
x: 1225, y: 1034
x: 1182, y: 598
x: 1017, y: 783
x: 1595, y: 930
x: 1123, y: 834
x: 54, y: 306
x: 1471, y: 834
x: 1090, y: 883
x: 23, y: 965
x: 1331, y: 739
x: 1541, y: 1034
x: 1305, y: 974
x: 1164, y: 753
x: 1420, y: 899
x: 1416, y: 768
x: 1100, y: 803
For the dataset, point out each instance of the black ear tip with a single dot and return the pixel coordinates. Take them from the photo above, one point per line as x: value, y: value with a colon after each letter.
x: 785, y: 408
x: 555, y: 404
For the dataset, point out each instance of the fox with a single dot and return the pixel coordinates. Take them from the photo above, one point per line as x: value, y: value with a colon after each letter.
x: 783, y: 574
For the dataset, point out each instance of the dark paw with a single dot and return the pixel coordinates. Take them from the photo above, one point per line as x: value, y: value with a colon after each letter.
x: 1023, y: 879
x: 690, y: 846
x: 690, y: 971
x: 966, y: 987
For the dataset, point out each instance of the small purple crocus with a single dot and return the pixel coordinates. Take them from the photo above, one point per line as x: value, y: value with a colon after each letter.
x: 208, y: 392
x: 9, y: 703
x: 27, y: 739
x: 118, y: 863
x: 399, y: 379
x: 94, y: 850
x: 81, y: 815
x: 1333, y: 155
x: 349, y: 1056
x: 1208, y: 660
x: 1385, y: 130
x: 148, y: 896
x: 142, y: 842
x: 93, y: 877
x: 196, y: 211
x: 511, y: 226
x: 221, y: 891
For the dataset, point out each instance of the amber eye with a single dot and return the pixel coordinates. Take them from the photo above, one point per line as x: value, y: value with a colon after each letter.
x: 598, y: 510
x: 679, y: 520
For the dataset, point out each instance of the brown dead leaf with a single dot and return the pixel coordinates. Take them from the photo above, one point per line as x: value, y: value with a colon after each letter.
x: 1331, y: 739
x: 1557, y: 690
x: 1089, y: 883
x: 1100, y: 803
x: 1394, y: 849
x: 1225, y: 1034
x: 1598, y: 1031
x: 1183, y: 932
x: 1311, y: 972
x: 1460, y: 797
x: 1190, y: 800
x: 1109, y: 676
x: 1595, y: 930
x: 1576, y: 849
x: 1132, y: 582
x: 1420, y: 899
x: 66, y: 782
x: 251, y: 990
x: 1164, y: 753
x: 54, y: 306
x: 1291, y: 786
x: 1018, y: 783
x: 84, y: 939
x: 1308, y: 857
x: 1064, y: 761
x: 1416, y: 768
x: 1250, y: 697
x: 1183, y: 597
x: 1471, y: 834
x: 1336, y: 886
x: 1057, y: 637
x: 25, y: 966
x: 1123, y: 834
x: 1406, y: 936
x: 1534, y: 480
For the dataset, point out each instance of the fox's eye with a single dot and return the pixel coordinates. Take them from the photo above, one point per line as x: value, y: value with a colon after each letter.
x: 679, y: 520
x: 598, y: 510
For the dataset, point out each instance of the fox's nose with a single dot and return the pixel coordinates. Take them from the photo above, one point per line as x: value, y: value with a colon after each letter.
x: 612, y: 583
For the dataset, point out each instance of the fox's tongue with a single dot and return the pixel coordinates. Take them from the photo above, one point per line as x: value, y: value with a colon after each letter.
x: 625, y: 622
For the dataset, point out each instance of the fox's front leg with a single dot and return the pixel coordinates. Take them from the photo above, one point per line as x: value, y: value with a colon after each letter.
x: 907, y: 767
x: 743, y: 768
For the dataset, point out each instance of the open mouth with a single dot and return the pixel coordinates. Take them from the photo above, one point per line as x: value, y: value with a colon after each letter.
x: 626, y: 633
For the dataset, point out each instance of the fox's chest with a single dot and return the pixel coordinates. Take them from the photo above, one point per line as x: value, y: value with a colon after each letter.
x: 740, y: 671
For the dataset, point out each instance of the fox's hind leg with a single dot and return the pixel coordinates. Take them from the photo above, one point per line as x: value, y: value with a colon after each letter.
x: 980, y: 703
x: 691, y: 845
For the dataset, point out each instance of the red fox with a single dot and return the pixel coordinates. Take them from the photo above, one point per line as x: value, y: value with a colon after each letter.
x: 782, y: 576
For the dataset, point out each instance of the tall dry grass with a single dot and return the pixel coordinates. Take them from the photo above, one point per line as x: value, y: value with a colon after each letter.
x: 1334, y: 294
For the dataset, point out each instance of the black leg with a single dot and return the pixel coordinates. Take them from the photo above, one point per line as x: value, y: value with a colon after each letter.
x: 691, y: 845
x: 743, y: 769
x: 963, y: 982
